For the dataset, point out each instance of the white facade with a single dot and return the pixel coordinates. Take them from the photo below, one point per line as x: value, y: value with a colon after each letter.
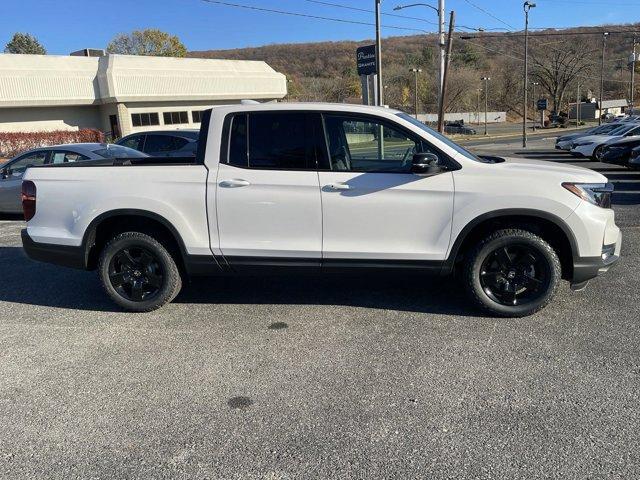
x: 47, y: 92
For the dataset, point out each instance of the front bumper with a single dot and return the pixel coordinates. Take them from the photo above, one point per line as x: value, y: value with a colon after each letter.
x: 587, y: 268
x: 63, y: 255
x: 564, y: 145
x: 584, y: 150
x: 616, y: 158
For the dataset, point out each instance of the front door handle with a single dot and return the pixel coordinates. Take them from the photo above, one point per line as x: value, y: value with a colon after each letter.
x: 234, y: 183
x: 338, y: 186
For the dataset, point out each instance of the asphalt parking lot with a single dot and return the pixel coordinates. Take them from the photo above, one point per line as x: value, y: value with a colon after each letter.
x: 336, y: 377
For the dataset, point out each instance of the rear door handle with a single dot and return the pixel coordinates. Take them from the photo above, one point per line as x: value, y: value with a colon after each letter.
x: 338, y: 186
x: 234, y: 183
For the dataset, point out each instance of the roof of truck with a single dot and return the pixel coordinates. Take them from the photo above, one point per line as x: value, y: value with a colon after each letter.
x: 341, y: 107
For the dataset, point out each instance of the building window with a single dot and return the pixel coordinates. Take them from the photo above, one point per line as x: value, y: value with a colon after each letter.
x: 197, y: 116
x: 174, y: 118
x: 144, y: 119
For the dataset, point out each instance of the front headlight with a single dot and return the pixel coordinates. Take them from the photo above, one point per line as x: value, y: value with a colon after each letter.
x: 595, y: 193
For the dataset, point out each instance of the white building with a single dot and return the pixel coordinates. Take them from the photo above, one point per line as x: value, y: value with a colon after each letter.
x: 124, y: 93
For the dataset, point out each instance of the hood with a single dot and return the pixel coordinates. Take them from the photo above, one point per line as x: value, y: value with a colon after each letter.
x: 624, y: 141
x: 521, y: 167
x: 596, y: 138
x: 571, y: 136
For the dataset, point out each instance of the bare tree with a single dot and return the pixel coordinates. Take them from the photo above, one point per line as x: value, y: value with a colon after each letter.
x: 557, y: 68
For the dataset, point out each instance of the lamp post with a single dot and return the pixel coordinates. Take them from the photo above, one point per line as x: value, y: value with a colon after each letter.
x: 479, y: 90
x: 486, y: 100
x: 416, y: 71
x: 534, y: 85
x: 633, y: 74
x: 441, y: 44
x: 527, y: 6
x: 604, y: 45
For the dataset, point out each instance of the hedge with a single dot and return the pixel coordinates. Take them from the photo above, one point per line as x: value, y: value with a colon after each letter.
x: 13, y: 143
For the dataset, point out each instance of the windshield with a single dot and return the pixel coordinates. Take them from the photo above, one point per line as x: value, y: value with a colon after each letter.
x: 442, y: 138
x: 117, y: 151
x: 621, y: 130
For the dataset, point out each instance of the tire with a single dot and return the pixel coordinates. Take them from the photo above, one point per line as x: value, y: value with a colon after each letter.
x: 138, y: 272
x: 518, y: 287
x: 596, y: 154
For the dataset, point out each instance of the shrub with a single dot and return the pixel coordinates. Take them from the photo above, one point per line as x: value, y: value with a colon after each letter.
x: 14, y: 143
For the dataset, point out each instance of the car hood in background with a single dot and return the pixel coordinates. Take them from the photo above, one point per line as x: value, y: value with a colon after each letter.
x: 564, y: 172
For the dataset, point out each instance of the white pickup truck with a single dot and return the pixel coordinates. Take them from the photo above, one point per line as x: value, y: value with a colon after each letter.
x: 323, y: 187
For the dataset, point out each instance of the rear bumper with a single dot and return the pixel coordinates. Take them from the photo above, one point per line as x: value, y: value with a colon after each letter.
x: 587, y: 268
x: 63, y: 255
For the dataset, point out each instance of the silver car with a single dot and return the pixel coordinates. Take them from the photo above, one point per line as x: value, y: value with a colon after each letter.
x: 11, y: 173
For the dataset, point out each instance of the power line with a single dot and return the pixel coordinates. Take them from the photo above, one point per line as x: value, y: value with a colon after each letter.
x: 486, y: 12
x: 306, y: 15
x: 356, y: 9
x: 546, y: 34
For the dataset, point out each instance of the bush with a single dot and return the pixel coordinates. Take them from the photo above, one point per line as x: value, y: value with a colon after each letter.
x: 14, y: 143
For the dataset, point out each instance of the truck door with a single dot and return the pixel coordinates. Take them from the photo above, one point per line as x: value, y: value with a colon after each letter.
x: 268, y: 194
x: 374, y: 207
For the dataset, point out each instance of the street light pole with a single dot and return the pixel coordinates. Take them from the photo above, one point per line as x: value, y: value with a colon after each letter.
x: 527, y: 6
x: 486, y: 101
x: 416, y: 71
x: 534, y: 84
x: 478, y: 117
x: 633, y: 74
x: 578, y: 107
x: 441, y: 42
x: 380, y: 95
x: 604, y: 44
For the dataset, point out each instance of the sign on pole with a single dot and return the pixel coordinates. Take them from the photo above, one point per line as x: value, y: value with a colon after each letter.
x: 542, y: 104
x: 366, y: 58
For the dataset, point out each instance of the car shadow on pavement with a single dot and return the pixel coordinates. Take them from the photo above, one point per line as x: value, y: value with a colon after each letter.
x: 28, y: 282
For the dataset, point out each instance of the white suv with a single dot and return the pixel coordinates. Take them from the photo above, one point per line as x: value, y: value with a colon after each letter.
x: 323, y: 187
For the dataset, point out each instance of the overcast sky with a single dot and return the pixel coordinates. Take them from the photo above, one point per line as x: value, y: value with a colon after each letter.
x: 67, y: 25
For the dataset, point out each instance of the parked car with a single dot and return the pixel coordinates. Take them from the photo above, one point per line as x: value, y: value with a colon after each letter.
x: 564, y: 142
x: 11, y: 172
x: 164, y: 143
x: 619, y: 151
x: 458, y: 128
x: 592, y: 145
x: 320, y: 188
x: 634, y: 159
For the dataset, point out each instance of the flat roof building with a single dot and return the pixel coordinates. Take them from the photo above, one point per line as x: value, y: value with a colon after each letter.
x: 121, y: 94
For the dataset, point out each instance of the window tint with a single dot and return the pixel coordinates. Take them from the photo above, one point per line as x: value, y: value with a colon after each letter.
x: 368, y: 145
x: 136, y: 142
x: 67, y: 157
x: 159, y: 143
x: 196, y: 115
x: 238, y: 142
x: 17, y: 168
x: 145, y: 119
x: 175, y: 118
x: 179, y: 142
x: 278, y: 140
x: 119, y: 151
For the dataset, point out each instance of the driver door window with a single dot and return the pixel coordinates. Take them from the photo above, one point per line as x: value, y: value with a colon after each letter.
x: 369, y: 145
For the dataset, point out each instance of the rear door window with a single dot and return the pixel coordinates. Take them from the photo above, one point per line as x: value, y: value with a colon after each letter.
x: 278, y: 140
x: 60, y: 156
x: 135, y: 141
x: 159, y: 143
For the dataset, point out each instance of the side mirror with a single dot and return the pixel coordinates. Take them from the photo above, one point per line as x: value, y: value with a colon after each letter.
x: 426, y: 163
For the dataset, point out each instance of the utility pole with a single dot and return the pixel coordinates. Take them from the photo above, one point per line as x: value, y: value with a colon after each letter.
x: 527, y: 6
x: 578, y: 107
x: 452, y: 20
x: 416, y: 71
x: 441, y: 13
x: 604, y: 44
x: 534, y: 84
x: 380, y: 95
x: 486, y: 101
x: 633, y: 74
x: 478, y: 116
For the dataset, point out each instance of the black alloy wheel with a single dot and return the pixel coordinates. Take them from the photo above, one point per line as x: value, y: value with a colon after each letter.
x: 515, y: 274
x: 136, y: 274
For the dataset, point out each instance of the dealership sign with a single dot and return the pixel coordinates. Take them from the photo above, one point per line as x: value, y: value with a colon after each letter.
x: 543, y: 104
x: 366, y: 58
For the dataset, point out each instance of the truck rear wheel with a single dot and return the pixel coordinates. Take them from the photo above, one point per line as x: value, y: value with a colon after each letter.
x: 512, y: 273
x: 138, y: 272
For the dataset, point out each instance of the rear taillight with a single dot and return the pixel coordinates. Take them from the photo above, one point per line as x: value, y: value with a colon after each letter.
x: 28, y: 199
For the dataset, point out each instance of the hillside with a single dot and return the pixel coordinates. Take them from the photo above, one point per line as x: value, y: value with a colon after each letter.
x: 326, y: 71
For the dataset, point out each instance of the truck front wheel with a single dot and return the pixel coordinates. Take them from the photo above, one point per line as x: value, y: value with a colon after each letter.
x: 512, y: 273
x: 138, y: 272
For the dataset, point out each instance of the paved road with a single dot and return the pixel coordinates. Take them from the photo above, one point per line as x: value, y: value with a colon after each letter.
x: 338, y: 377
